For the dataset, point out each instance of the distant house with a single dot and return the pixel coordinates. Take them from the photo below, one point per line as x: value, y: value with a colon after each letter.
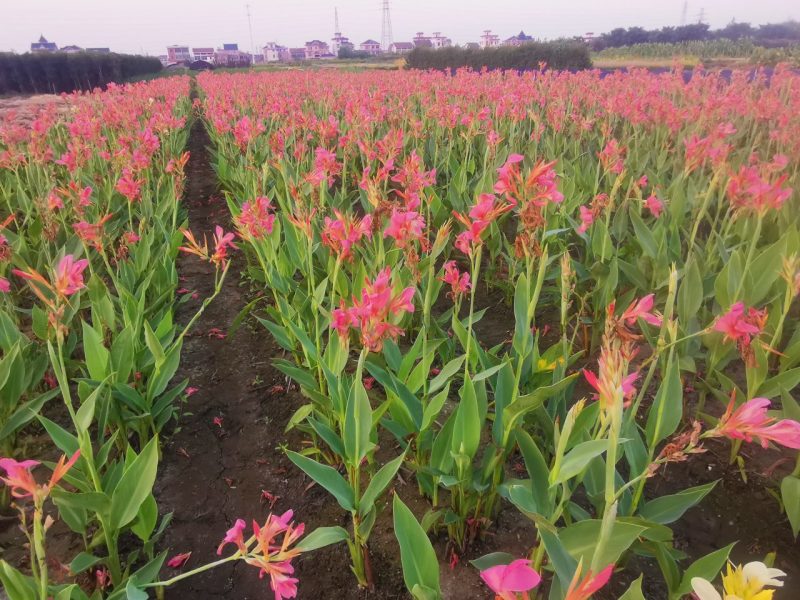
x: 401, y: 47
x: 371, y: 47
x: 489, y: 39
x: 440, y: 41
x: 178, y: 54
x: 517, y: 40
x: 273, y: 52
x: 71, y: 49
x: 204, y: 53
x: 43, y: 45
x: 422, y: 41
x: 340, y: 42
x: 233, y: 58
x: 472, y: 46
x: 316, y: 49
x: 99, y: 50
x: 297, y: 53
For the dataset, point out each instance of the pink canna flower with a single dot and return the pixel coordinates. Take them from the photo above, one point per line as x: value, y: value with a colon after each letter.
x: 537, y: 187
x: 612, y: 157
x: 612, y: 382
x: 326, y: 167
x: 480, y: 216
x: 280, y: 578
x: 734, y: 324
x: 69, y: 275
x: 344, y: 232
x: 751, y: 421
x: 19, y: 477
x: 275, y: 559
x: 128, y: 185
x: 372, y: 313
x: 654, y: 205
x: 177, y: 561
x: 234, y: 535
x: 459, y: 282
x: 748, y: 191
x: 21, y: 481
x: 641, y: 309
x: 626, y: 386
x: 222, y: 241
x: 342, y: 320
x: 130, y: 237
x: 54, y: 201
x: 256, y: 219
x: 91, y: 233
x: 506, y: 581
x: 583, y: 589
x: 741, y: 326
x: 5, y: 285
x: 587, y: 218
x: 244, y: 132
x: 84, y: 198
x: 405, y: 227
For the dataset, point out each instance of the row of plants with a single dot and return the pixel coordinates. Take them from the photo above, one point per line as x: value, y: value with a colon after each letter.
x: 768, y: 35
x: 562, y: 54
x: 705, y: 50
x: 63, y: 72
x: 642, y: 232
x: 90, y: 229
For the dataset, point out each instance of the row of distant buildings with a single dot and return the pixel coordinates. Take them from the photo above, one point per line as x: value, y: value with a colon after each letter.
x: 230, y: 55
x: 272, y: 52
x: 44, y: 46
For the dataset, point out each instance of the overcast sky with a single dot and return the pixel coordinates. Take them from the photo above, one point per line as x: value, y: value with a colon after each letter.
x: 148, y: 26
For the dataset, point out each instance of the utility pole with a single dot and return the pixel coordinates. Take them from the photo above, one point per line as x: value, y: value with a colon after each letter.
x: 336, y: 31
x: 386, y: 27
x: 684, y: 12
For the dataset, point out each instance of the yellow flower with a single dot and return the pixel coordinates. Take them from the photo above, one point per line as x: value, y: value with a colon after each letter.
x: 741, y: 583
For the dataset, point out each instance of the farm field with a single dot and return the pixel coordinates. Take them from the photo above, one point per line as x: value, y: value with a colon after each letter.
x: 485, y: 335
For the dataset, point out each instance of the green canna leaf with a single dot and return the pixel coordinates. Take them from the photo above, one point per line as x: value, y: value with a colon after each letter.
x: 668, y: 509
x: 420, y: 565
x: 134, y: 486
x: 327, y: 477
x: 379, y: 482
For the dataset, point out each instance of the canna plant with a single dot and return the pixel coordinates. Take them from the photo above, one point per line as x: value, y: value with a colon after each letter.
x: 352, y: 436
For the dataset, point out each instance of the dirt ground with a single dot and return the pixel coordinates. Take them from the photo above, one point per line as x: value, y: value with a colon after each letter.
x: 25, y: 108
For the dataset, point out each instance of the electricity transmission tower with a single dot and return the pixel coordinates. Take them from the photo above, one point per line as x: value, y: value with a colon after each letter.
x: 250, y: 26
x: 386, y: 27
x: 684, y: 11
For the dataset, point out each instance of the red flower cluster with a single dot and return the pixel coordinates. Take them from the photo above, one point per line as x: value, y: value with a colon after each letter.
x: 373, y: 312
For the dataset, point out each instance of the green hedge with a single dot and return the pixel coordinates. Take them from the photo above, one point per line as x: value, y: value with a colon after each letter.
x: 58, y: 72
x: 557, y: 55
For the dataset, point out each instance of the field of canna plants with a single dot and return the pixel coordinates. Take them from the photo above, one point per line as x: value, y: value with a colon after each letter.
x: 403, y: 335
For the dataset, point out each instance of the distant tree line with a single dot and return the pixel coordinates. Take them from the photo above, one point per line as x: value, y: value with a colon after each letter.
x: 347, y: 52
x: 56, y: 72
x: 532, y: 55
x: 770, y: 35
